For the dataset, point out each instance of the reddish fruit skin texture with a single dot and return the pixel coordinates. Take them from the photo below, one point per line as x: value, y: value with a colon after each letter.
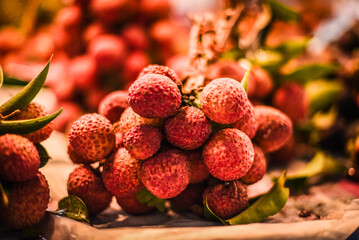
x: 36, y: 110
x: 129, y: 119
x: 199, y: 171
x: 285, y: 154
x: 19, y: 158
x: 130, y: 204
x: 188, y: 128
x: 226, y: 200
x: 92, y: 136
x: 121, y: 173
x: 28, y: 202
x: 258, y: 169
x: 247, y: 123
x: 190, y: 196
x: 113, y: 105
x: 77, y: 159
x: 83, y: 72
x: 161, y: 70
x: 274, y: 128
x: 143, y: 141
x: 85, y: 184
x: 293, y: 101
x: 166, y: 174
x: 262, y: 81
x: 154, y: 96
x: 228, y: 154
x: 223, y: 100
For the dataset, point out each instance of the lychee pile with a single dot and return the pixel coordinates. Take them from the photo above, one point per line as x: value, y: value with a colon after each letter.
x: 203, y: 153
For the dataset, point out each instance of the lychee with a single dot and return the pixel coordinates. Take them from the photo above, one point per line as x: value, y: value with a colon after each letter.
x: 162, y: 70
x: 247, y: 123
x: 143, y: 141
x: 87, y: 185
x: 133, y: 65
x: 199, y: 170
x: 28, y: 202
x: 130, y: 204
x: 285, y: 154
x: 188, y: 129
x: 223, y: 100
x: 190, y: 196
x: 113, y: 105
x: 274, y: 128
x: 92, y: 136
x: 76, y: 158
x: 258, y: 168
x: 19, y: 158
x: 262, y: 81
x: 226, y: 199
x: 167, y: 173
x: 35, y: 110
x: 228, y: 154
x: 154, y: 96
x: 71, y: 112
x: 121, y: 173
x: 136, y: 37
x: 83, y: 71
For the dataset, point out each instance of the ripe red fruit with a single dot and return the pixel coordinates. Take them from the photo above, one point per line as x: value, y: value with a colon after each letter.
x: 161, y: 70
x: 199, y: 171
x: 130, y: 204
x: 247, y: 123
x: 83, y: 72
x: 258, y: 168
x: 113, y: 105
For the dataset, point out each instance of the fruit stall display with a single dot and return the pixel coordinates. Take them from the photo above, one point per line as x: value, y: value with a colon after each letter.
x: 247, y: 118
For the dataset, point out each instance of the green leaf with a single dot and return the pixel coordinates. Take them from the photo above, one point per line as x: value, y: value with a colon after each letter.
x: 268, y: 59
x: 292, y: 48
x: 44, y: 156
x: 147, y: 198
x: 310, y: 72
x: 27, y: 94
x: 26, y: 126
x: 73, y: 207
x: 283, y: 12
x: 267, y: 205
x: 4, y: 196
x: 245, y: 79
x: 209, y: 215
x: 14, y: 81
x: 1, y: 77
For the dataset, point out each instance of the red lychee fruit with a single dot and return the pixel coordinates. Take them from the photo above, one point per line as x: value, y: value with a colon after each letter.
x: 291, y: 99
x: 228, y: 154
x: 121, y: 173
x: 161, y: 70
x: 10, y: 39
x: 113, y: 105
x: 167, y: 173
x: 188, y: 129
x: 180, y: 64
x: 136, y: 37
x: 83, y: 72
x: 92, y: 136
x: 247, y: 123
x: 227, y: 69
x: 71, y: 112
x: 92, y: 31
x: 154, y: 96
x: 129, y: 119
x: 285, y: 154
x: 274, y: 128
x: 109, y: 11
x: 262, y: 81
x: 226, y: 200
x: 143, y: 141
x: 36, y: 110
x: 190, y: 196
x: 108, y: 50
x: 258, y: 169
x: 223, y: 100
x: 199, y: 171
x: 19, y: 158
x: 130, y: 204
x: 76, y: 158
x: 134, y: 63
x: 69, y: 18
x: 87, y: 185
x: 155, y: 8
x: 28, y: 202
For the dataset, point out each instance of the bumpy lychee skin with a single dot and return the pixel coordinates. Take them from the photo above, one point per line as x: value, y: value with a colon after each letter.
x: 188, y: 129
x: 199, y: 171
x: 167, y: 173
x: 154, y: 96
x: 161, y: 70
x: 293, y: 101
x: 19, y: 158
x: 143, y: 141
x: 87, y: 185
x: 274, y: 128
x: 226, y: 200
x: 28, y: 202
x: 76, y: 158
x: 92, y: 136
x: 113, y: 105
x: 228, y: 154
x: 190, y: 196
x: 130, y: 204
x: 223, y: 100
x: 258, y: 169
x: 36, y: 110
x: 121, y: 173
x: 247, y: 123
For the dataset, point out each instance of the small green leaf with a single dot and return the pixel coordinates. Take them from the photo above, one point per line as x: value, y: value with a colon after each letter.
x: 283, y: 12
x: 27, y: 94
x: 292, y: 48
x: 267, y: 205
x: 44, y: 156
x: 310, y: 72
x: 26, y: 126
x: 268, y: 59
x: 1, y: 77
x: 245, y: 79
x: 209, y: 215
x: 14, y: 81
x: 147, y: 198
x: 73, y: 207
x: 4, y: 196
